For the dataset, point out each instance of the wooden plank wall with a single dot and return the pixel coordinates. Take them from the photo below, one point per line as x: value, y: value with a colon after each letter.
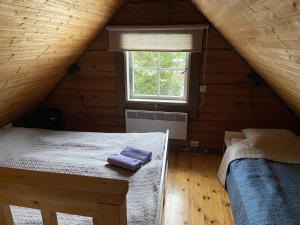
x: 89, y: 98
x: 38, y: 42
x: 267, y: 34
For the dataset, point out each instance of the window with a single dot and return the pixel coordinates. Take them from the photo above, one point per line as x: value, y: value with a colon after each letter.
x: 157, y: 76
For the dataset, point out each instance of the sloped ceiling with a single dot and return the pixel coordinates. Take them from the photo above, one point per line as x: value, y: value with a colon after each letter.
x: 40, y: 39
x: 267, y: 34
x: 38, y: 42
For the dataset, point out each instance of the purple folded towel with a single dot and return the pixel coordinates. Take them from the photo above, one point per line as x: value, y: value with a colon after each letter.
x: 125, y: 162
x: 144, y: 156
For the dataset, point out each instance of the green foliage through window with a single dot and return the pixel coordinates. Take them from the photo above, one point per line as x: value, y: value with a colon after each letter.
x: 159, y: 74
x: 145, y: 82
x: 172, y: 83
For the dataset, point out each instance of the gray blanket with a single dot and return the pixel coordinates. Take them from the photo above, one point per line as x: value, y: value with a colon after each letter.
x: 85, y: 153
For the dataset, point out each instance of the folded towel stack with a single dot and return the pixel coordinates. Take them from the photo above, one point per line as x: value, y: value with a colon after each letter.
x: 124, y: 162
x: 130, y: 158
x: 144, y: 156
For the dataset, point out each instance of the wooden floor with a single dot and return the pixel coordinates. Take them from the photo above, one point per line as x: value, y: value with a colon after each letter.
x: 194, y: 195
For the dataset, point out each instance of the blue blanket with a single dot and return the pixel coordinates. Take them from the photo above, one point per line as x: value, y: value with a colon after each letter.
x: 262, y: 192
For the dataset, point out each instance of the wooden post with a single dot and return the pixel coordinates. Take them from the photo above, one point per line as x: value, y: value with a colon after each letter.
x: 6, y: 215
x: 49, y: 217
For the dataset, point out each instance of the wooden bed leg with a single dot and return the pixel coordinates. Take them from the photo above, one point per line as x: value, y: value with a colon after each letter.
x: 6, y: 215
x: 96, y: 221
x: 123, y: 213
x: 111, y: 215
x: 49, y: 217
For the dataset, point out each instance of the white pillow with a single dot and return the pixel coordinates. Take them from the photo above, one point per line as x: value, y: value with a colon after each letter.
x: 272, y: 139
x: 251, y: 132
x: 235, y: 140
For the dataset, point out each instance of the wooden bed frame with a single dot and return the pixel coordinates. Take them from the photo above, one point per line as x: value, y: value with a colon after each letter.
x: 100, y: 198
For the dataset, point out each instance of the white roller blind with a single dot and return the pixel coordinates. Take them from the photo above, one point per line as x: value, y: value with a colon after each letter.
x: 185, y: 38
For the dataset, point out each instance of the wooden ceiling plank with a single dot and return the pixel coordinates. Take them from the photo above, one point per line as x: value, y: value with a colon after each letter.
x: 267, y: 34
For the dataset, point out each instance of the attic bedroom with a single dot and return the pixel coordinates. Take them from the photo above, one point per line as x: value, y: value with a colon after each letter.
x: 149, y: 112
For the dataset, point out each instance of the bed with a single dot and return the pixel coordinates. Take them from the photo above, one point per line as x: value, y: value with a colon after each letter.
x: 60, y: 177
x: 263, y: 179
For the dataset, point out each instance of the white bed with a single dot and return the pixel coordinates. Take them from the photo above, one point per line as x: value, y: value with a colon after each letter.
x: 85, y: 154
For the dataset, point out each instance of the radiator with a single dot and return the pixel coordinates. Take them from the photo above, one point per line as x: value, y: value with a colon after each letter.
x: 140, y: 121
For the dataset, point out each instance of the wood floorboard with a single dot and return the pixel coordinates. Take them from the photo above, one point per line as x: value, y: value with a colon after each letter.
x: 194, y: 195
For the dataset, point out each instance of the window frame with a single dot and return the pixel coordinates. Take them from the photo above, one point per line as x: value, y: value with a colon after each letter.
x: 129, y: 83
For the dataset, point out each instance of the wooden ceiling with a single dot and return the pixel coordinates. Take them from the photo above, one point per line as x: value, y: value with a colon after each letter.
x: 38, y: 41
x: 267, y: 34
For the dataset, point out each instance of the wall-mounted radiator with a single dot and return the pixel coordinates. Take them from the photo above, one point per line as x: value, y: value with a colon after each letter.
x: 138, y: 121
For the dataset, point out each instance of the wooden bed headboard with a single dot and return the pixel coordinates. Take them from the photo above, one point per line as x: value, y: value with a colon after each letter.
x: 100, y: 198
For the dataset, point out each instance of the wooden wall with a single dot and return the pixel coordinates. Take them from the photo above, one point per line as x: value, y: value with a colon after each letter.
x: 89, y: 98
x: 38, y: 42
x: 267, y: 34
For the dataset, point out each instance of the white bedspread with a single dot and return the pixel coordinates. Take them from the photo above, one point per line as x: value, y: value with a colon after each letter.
x: 85, y: 153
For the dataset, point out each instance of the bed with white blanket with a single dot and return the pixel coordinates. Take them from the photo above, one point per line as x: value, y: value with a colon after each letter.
x: 82, y: 155
x: 262, y: 175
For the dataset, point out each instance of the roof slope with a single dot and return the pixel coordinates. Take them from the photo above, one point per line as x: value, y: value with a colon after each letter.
x: 267, y: 34
x: 38, y: 41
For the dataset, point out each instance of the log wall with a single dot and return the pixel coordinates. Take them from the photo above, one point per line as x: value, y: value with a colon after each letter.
x: 89, y: 98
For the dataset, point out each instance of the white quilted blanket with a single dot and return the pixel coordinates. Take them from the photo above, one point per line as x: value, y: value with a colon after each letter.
x: 85, y: 153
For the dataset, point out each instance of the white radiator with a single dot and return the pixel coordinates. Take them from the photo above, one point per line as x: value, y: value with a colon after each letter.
x: 139, y: 121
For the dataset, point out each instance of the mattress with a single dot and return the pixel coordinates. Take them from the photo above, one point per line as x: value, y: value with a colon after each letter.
x: 263, y: 192
x: 85, y: 153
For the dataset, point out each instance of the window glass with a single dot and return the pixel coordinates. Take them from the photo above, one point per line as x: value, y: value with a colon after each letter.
x: 145, y: 82
x: 157, y: 76
x: 172, y: 83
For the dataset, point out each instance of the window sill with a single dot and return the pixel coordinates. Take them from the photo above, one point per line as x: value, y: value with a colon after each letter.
x: 157, y: 101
